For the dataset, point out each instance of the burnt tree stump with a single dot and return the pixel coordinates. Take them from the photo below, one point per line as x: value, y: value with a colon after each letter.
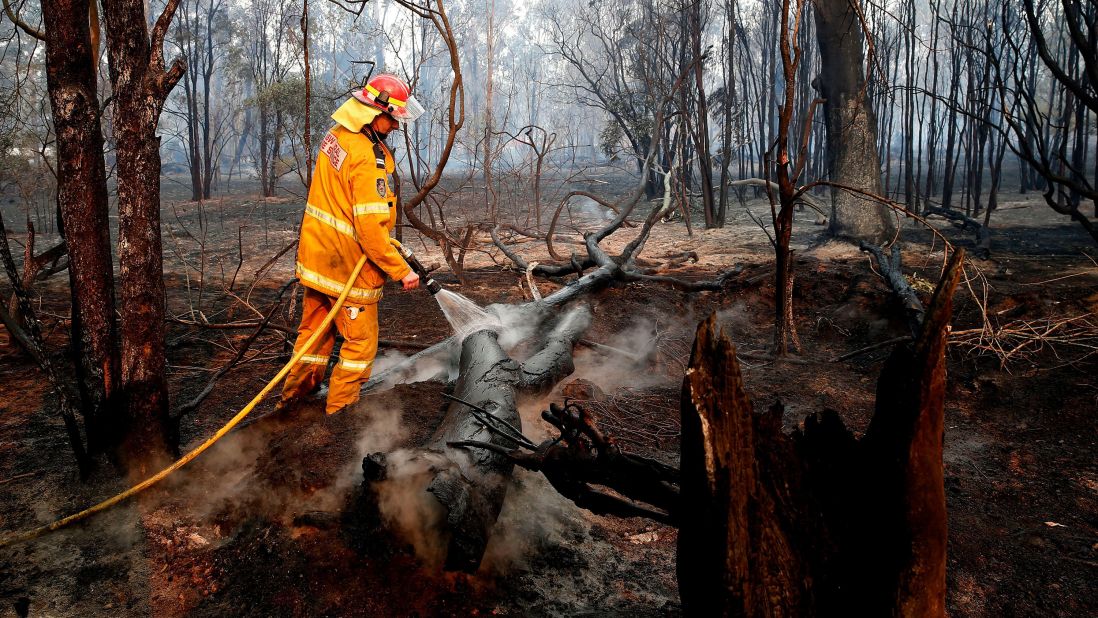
x: 817, y: 522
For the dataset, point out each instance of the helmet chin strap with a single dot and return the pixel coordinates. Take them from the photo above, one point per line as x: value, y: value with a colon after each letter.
x: 375, y: 133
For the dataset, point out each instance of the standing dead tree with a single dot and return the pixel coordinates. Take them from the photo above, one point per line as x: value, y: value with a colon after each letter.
x: 70, y: 32
x: 1073, y: 68
x: 199, y: 34
x: 455, y: 119
x: 71, y: 60
x: 778, y: 157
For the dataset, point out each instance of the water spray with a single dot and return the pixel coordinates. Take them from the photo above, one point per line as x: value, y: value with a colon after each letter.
x: 464, y: 315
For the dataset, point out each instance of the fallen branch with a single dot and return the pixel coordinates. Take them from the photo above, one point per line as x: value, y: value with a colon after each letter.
x: 407, y: 345
x: 1025, y: 339
x: 556, y: 215
x: 870, y: 348
x: 19, y: 476
x: 893, y: 273
x: 232, y: 325
x: 610, y: 350
x: 982, y: 232
x: 583, y: 458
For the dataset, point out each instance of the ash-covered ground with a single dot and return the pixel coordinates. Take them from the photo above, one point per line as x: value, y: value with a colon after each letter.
x: 249, y: 529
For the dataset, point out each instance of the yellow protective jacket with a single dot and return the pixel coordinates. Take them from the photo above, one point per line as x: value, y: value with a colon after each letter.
x: 350, y: 212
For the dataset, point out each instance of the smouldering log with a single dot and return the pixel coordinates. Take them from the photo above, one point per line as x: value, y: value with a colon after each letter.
x: 470, y: 485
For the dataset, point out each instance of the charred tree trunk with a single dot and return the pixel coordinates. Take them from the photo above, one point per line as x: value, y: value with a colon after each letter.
x: 729, y: 99
x: 852, y: 157
x: 701, y: 121
x: 82, y: 202
x: 782, y: 217
x: 784, y: 328
x: 473, y: 487
x: 465, y: 486
x: 141, y: 85
x: 817, y: 523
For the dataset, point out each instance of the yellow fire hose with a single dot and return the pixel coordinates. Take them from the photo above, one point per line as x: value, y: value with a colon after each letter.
x: 159, y: 476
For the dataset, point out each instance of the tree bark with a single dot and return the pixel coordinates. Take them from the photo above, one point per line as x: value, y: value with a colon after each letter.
x: 735, y: 553
x: 852, y: 157
x: 82, y: 201
x: 140, y: 85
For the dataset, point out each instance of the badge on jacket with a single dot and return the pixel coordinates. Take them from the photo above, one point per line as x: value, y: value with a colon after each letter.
x: 381, y: 187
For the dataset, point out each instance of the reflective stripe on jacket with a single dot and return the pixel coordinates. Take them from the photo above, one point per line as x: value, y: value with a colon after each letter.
x: 350, y: 213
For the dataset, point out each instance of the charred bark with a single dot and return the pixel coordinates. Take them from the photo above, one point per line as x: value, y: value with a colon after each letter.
x: 816, y: 523
x: 734, y: 541
x: 141, y: 85
x: 82, y: 202
x: 852, y: 157
x: 473, y: 492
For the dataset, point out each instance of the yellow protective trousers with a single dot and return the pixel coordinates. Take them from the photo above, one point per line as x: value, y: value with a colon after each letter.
x: 358, y: 325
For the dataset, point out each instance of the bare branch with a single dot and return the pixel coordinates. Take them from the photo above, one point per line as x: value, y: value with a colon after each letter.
x: 24, y: 26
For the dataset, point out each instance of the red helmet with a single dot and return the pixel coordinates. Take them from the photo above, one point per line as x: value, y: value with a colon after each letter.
x: 390, y: 94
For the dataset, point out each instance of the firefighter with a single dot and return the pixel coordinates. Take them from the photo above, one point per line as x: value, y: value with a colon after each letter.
x: 350, y: 212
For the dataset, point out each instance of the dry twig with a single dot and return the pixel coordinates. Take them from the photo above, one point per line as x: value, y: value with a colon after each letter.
x: 1069, y: 339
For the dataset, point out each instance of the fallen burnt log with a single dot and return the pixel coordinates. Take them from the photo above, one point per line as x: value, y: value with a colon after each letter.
x: 445, y: 499
x: 438, y: 362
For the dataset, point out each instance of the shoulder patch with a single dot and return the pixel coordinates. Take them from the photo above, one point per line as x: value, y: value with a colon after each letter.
x: 336, y: 154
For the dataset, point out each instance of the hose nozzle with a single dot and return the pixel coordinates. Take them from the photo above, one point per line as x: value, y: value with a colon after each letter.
x: 432, y: 286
